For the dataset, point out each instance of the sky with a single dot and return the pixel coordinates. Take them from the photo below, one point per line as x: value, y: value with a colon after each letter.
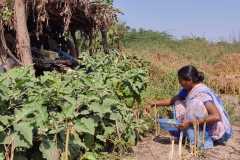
x: 212, y: 19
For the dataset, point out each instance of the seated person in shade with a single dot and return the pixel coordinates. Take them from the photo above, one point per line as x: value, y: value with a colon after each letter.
x: 196, y: 102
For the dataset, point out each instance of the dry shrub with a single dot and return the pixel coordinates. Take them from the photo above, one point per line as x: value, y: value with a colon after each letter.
x: 225, y: 84
x: 164, y: 63
x: 224, y: 76
x: 228, y: 65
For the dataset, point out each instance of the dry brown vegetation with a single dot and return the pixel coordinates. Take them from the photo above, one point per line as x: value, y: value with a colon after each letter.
x: 28, y: 24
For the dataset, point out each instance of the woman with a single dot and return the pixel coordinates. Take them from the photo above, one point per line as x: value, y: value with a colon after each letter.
x: 197, y: 103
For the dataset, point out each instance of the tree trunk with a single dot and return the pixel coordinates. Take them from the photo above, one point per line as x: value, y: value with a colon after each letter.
x: 3, y: 55
x: 73, y: 34
x: 22, y: 35
x: 104, y: 40
x: 5, y: 52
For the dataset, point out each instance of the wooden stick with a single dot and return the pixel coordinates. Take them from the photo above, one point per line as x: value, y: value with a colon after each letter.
x: 158, y: 125
x: 195, y: 139
x: 191, y: 149
x: 156, y: 121
x: 204, y: 132
x: 197, y: 133
x: 12, y: 149
x: 180, y: 145
x: 66, y: 143
x: 172, y: 149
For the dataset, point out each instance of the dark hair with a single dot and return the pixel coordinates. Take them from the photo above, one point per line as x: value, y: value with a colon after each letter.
x: 190, y: 73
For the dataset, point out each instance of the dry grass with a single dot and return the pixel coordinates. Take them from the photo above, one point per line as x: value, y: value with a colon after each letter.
x: 224, y: 76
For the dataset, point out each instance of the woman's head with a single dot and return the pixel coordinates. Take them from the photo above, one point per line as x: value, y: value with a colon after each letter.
x: 189, y: 76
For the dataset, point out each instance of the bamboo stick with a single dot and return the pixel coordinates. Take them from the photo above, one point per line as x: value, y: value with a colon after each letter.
x: 172, y: 149
x: 180, y: 145
x: 195, y: 138
x: 204, y: 132
x: 156, y: 120
x: 66, y: 144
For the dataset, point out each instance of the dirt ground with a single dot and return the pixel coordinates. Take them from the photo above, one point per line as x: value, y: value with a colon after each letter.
x: 152, y: 148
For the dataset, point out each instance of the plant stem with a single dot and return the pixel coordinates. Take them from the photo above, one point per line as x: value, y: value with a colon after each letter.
x: 66, y: 144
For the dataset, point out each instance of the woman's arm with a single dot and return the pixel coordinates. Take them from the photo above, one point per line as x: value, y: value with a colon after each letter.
x: 213, y: 116
x: 165, y: 102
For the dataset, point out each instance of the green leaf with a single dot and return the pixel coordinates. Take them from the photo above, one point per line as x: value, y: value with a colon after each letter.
x: 100, y: 108
x: 41, y: 116
x: 18, y: 73
x: 20, y: 157
x: 108, y: 131
x: 101, y: 138
x: 18, y: 139
x: 27, y: 109
x: 49, y: 150
x: 115, y: 116
x: 85, y: 112
x: 78, y: 141
x: 56, y: 130
x: 89, y: 141
x: 5, y: 120
x: 86, y: 125
x: 89, y: 156
x: 1, y: 129
x: 129, y: 101
x: 68, y: 110
x: 26, y: 130
x: 70, y: 100
x: 1, y: 156
x: 131, y: 136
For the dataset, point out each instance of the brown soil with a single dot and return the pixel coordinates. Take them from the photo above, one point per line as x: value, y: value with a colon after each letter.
x: 152, y: 148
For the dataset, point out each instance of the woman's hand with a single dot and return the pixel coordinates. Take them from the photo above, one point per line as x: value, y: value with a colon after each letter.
x: 153, y: 104
x: 149, y: 107
x: 186, y: 124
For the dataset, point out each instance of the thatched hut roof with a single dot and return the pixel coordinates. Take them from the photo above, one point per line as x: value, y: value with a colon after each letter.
x: 86, y: 16
x: 54, y: 18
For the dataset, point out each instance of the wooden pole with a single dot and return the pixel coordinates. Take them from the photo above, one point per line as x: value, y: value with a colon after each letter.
x: 180, y: 145
x: 156, y: 121
x: 171, y: 155
x: 22, y: 35
x: 204, y: 132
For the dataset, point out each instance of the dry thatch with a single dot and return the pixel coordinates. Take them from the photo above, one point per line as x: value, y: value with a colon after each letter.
x: 55, y: 18
x: 84, y: 15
